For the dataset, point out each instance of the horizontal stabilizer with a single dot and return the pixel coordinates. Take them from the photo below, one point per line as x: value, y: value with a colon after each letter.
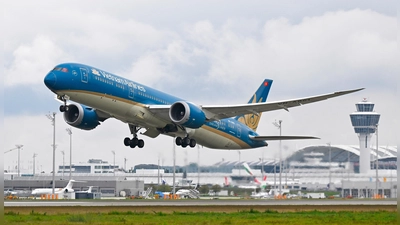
x: 277, y: 138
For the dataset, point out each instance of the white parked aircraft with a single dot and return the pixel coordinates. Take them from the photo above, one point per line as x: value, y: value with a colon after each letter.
x: 66, y: 189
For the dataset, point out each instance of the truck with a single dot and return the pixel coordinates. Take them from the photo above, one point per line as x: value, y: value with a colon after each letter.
x: 316, y: 195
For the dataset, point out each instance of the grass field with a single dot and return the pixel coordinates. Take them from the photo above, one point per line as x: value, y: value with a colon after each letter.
x: 241, y: 217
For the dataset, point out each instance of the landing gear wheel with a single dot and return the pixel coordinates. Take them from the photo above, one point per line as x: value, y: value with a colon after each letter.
x: 127, y: 141
x: 186, y: 140
x: 192, y: 143
x: 63, y: 108
x: 178, y: 141
x: 135, y: 140
x: 184, y: 145
x: 140, y: 143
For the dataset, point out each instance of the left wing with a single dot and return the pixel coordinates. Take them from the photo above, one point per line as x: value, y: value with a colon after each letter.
x: 217, y: 112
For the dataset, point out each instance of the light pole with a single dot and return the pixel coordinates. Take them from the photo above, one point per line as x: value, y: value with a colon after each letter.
x: 198, y: 166
x: 113, y: 152
x: 262, y: 162
x: 376, y: 164
x: 173, y: 178
x: 34, y: 159
x: 240, y: 164
x: 125, y: 159
x: 16, y: 147
x: 279, y: 126
x: 63, y: 154
x: 70, y: 151
x: 158, y: 170
x: 329, y: 144
x: 53, y: 121
x: 19, y: 148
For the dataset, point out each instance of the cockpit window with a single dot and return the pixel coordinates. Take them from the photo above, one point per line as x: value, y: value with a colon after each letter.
x: 62, y: 69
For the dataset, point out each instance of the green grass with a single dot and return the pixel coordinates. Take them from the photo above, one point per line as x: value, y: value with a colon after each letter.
x: 242, y: 217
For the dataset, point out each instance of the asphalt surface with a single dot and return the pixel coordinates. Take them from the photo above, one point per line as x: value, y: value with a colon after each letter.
x: 213, y: 202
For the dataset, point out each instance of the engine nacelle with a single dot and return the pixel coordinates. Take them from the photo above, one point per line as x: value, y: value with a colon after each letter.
x: 66, y: 190
x: 81, y: 117
x: 187, y: 114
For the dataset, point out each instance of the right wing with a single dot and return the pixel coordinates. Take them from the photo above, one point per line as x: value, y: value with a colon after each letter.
x: 217, y: 112
x: 226, y: 111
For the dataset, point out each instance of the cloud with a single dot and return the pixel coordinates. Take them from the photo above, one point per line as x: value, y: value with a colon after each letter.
x: 32, y: 61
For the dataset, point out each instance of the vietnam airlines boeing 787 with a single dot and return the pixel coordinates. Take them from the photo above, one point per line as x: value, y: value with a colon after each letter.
x: 97, y: 95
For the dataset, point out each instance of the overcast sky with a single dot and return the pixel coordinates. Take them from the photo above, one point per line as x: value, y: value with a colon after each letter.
x: 208, y: 52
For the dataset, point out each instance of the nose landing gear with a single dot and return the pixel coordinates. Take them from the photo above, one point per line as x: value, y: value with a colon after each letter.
x: 64, y: 107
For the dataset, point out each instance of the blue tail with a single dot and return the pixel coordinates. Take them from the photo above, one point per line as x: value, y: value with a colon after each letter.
x: 251, y: 120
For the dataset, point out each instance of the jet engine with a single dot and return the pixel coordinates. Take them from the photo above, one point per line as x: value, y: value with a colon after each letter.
x: 187, y: 114
x: 68, y: 190
x: 81, y: 116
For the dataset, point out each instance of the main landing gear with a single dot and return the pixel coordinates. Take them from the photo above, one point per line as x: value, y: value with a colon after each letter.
x: 134, y: 141
x: 184, y: 142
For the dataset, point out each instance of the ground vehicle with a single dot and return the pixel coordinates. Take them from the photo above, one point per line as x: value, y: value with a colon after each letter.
x: 316, y: 195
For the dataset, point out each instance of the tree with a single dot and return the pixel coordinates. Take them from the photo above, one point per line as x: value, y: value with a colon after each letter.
x: 204, y: 189
x: 216, y: 188
x: 164, y: 188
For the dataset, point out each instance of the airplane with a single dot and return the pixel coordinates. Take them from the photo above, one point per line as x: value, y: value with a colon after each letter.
x: 66, y: 189
x: 262, y: 184
x: 97, y: 95
x: 89, y: 190
x: 226, y: 183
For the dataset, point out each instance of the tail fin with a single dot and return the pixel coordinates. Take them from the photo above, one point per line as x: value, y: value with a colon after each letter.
x: 70, y: 184
x: 251, y: 120
x: 226, y: 182
x: 247, y: 168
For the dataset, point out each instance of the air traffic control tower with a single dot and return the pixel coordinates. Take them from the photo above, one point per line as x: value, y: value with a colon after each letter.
x: 365, y: 122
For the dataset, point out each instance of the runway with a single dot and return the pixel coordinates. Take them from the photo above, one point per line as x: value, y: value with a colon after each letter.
x: 216, y: 202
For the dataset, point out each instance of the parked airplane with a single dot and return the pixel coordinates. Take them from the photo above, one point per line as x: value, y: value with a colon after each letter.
x: 262, y: 184
x: 66, y: 189
x: 89, y: 190
x: 100, y: 95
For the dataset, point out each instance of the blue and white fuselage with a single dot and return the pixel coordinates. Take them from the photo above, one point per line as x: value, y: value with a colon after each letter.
x: 102, y: 95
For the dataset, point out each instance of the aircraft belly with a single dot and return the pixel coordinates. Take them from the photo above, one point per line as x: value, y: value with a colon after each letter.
x: 124, y: 110
x: 210, y: 139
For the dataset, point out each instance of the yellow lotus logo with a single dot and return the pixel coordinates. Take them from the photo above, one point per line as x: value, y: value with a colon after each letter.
x: 251, y: 120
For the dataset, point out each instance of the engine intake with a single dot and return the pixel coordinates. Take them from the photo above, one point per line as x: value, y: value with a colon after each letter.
x: 81, y: 116
x: 187, y: 114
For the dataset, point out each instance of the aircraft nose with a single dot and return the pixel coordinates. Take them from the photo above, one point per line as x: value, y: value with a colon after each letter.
x: 50, y: 80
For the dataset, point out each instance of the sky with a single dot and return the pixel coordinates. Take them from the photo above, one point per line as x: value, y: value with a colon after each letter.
x: 208, y: 52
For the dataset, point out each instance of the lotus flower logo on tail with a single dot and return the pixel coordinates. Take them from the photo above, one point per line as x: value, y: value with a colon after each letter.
x: 251, y: 120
